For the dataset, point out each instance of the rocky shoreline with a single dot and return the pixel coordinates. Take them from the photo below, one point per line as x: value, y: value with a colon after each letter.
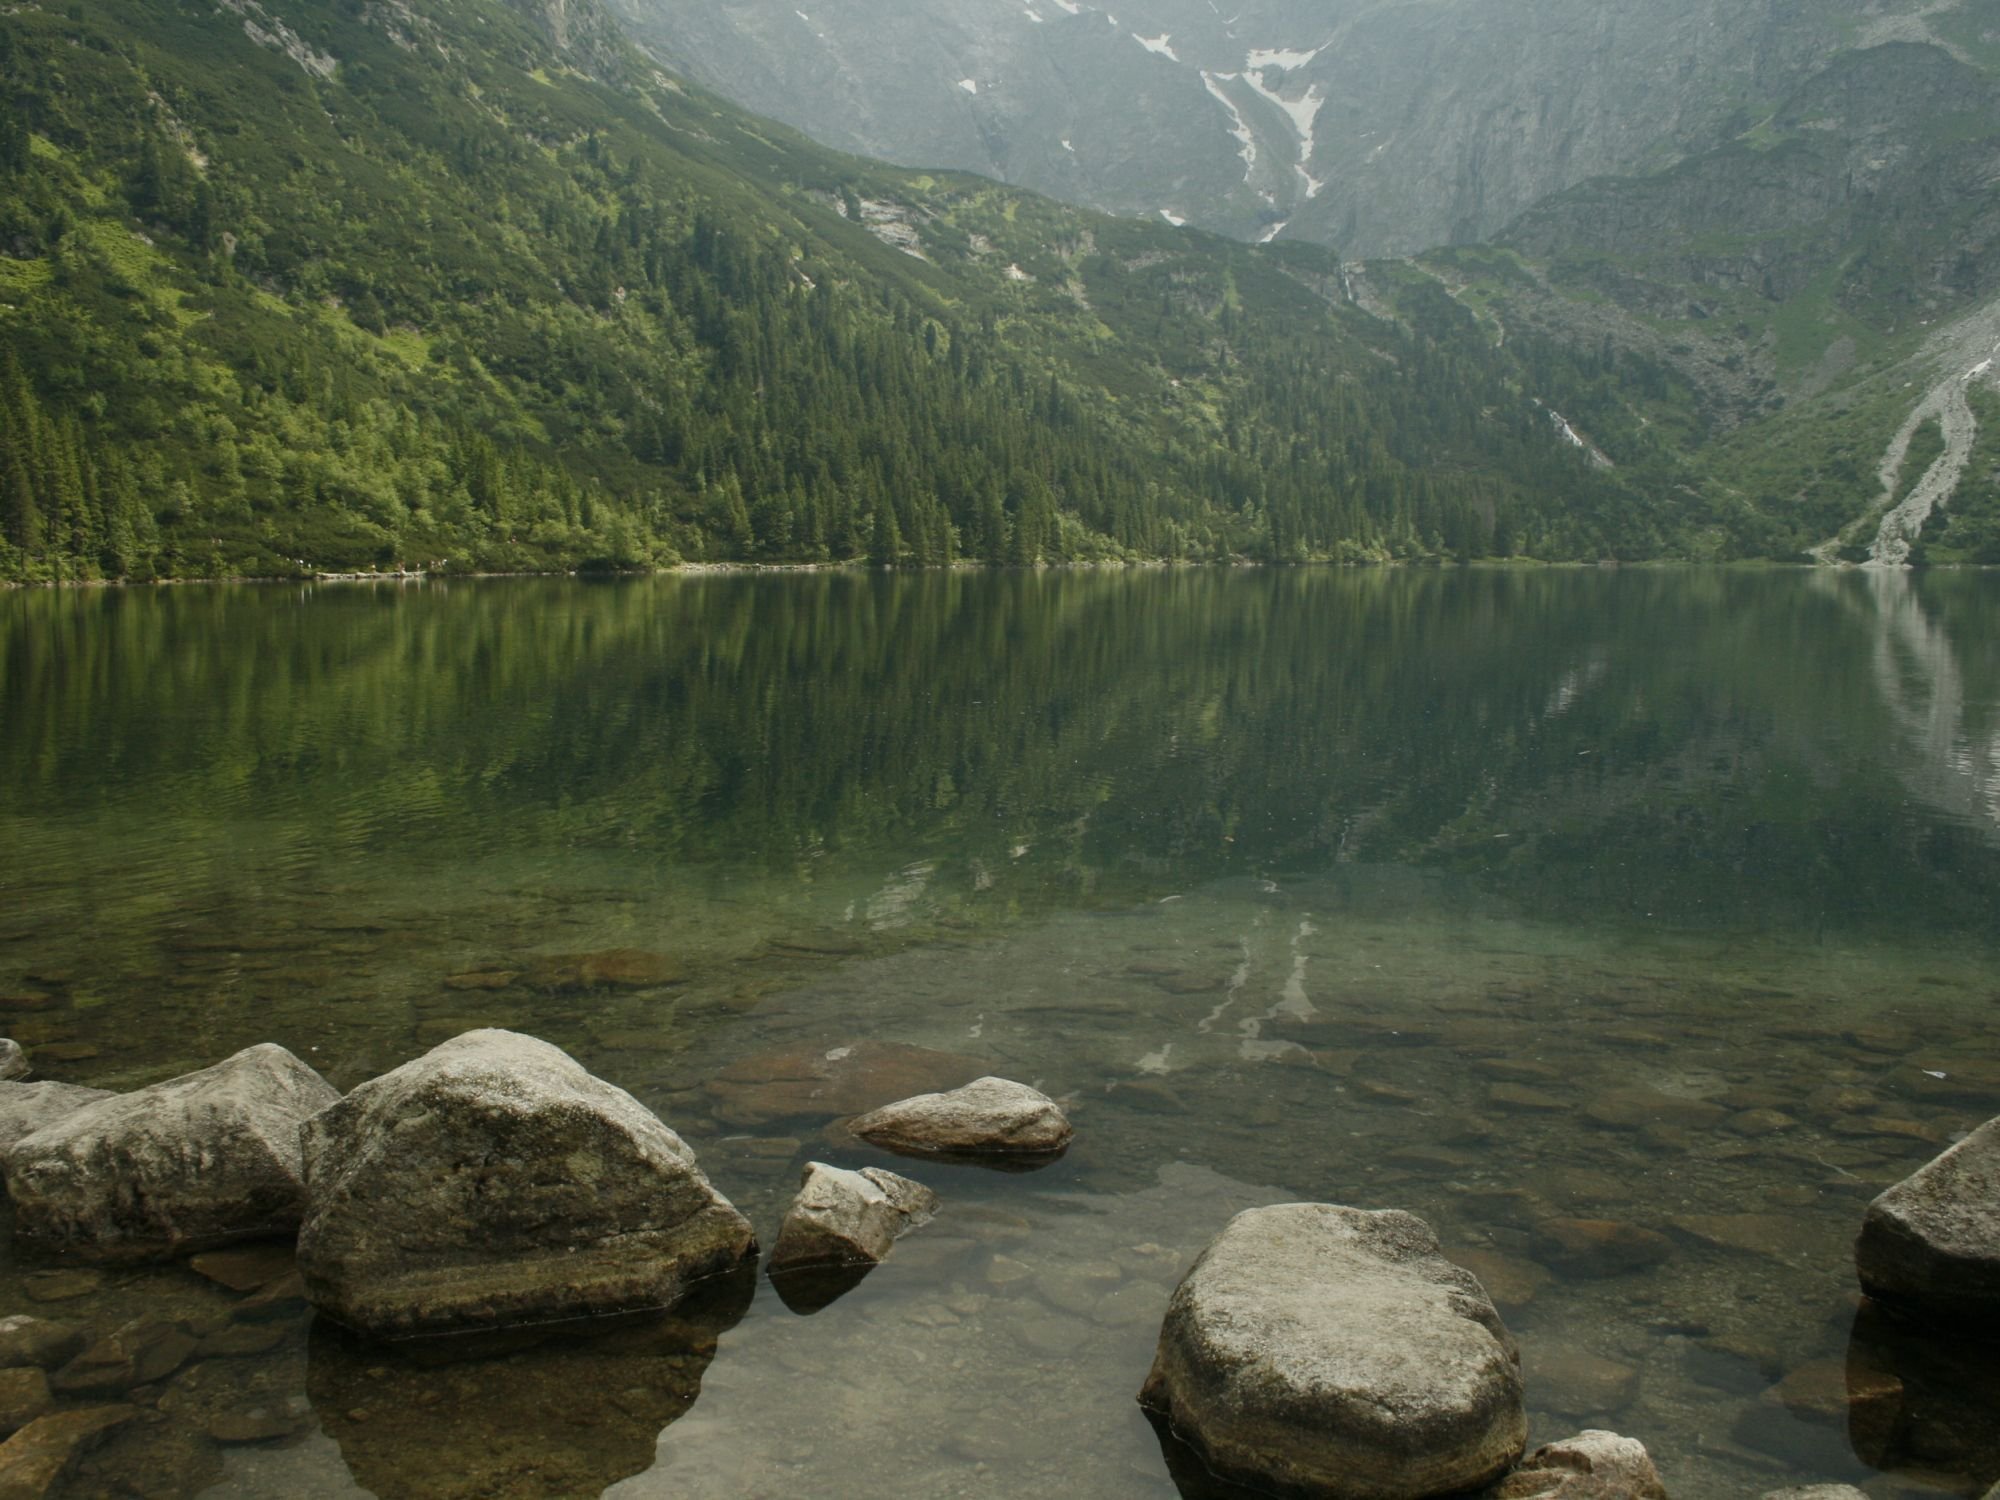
x: 493, y: 1188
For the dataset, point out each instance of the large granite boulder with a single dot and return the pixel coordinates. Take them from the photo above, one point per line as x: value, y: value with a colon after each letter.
x: 1335, y: 1352
x: 27, y: 1107
x: 1931, y: 1244
x: 989, y: 1117
x: 494, y: 1182
x: 189, y: 1164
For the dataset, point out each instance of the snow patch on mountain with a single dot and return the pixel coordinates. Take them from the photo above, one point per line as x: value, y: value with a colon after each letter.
x: 970, y: 85
x: 1158, y: 44
x: 1173, y: 218
x: 1303, y: 112
x: 1246, y: 139
x: 1273, y: 232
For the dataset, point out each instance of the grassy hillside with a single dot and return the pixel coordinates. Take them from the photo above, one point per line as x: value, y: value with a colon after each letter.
x: 467, y: 284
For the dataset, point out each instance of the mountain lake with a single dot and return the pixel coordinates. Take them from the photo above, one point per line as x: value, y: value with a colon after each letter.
x: 1511, y: 897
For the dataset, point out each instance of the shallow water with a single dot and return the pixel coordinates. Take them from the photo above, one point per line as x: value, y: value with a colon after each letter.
x: 1500, y: 897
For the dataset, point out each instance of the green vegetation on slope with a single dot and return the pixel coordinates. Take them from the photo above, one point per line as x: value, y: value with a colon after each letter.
x: 363, y: 286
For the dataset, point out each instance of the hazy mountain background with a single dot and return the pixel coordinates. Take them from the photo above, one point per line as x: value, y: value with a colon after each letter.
x: 1382, y: 128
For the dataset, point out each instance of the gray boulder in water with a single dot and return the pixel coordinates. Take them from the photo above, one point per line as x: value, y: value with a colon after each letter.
x: 1335, y: 1352
x: 190, y: 1164
x: 494, y: 1182
x: 1930, y: 1245
x: 27, y: 1107
x: 848, y: 1218
x: 13, y: 1061
x: 989, y: 1117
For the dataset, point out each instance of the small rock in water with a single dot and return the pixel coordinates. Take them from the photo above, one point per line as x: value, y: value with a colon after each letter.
x: 1599, y: 1247
x: 1864, y: 1404
x: 1779, y: 1236
x: 69, y: 1051
x: 34, y: 1461
x: 1816, y: 1492
x: 1520, y: 1097
x: 493, y: 1182
x: 1511, y: 1283
x: 614, y: 968
x: 1931, y: 1244
x: 1576, y: 1382
x: 256, y: 1424
x: 240, y: 1341
x: 61, y: 1286
x: 1337, y: 1352
x: 1635, y: 1109
x: 196, y: 1161
x: 1593, y: 1465
x: 13, y: 1061
x: 989, y: 1117
x: 848, y: 1218
x: 139, y: 1353
x: 246, y: 1270
x: 42, y: 1342
x: 24, y: 1396
x: 482, y: 979
x: 1756, y: 1123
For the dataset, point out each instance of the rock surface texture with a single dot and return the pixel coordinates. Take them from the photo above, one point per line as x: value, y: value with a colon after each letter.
x: 988, y: 1117
x: 27, y: 1107
x: 13, y: 1061
x: 1335, y: 1352
x: 494, y: 1182
x: 848, y: 1218
x: 1931, y: 1243
x: 1593, y: 1465
x: 189, y: 1164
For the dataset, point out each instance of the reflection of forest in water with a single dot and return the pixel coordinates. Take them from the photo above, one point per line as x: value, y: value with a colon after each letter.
x: 1707, y: 746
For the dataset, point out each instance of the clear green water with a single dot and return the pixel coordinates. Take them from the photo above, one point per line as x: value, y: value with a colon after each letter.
x: 1384, y: 888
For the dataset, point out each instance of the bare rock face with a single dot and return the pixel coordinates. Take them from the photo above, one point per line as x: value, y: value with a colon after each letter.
x: 494, y: 1182
x: 848, y: 1218
x: 27, y: 1107
x: 1335, y: 1352
x: 988, y: 1117
x: 189, y: 1164
x: 1931, y: 1244
x: 1593, y: 1465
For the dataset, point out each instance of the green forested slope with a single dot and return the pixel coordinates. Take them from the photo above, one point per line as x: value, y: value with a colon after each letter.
x: 462, y: 284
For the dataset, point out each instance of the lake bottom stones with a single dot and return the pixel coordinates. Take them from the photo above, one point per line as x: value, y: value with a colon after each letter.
x: 1334, y: 1352
x: 492, y: 1182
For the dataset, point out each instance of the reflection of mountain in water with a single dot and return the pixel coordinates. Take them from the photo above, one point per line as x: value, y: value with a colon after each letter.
x: 1948, y: 764
x: 1700, y: 747
x: 536, y: 1415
